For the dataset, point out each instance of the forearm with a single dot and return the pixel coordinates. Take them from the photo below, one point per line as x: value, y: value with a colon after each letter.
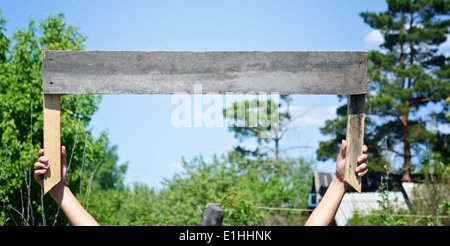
x: 73, y: 210
x: 324, y: 213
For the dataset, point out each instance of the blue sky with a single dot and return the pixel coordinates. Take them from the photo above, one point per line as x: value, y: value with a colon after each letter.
x: 141, y: 124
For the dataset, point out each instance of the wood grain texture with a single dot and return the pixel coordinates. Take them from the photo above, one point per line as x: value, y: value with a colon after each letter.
x: 52, y: 142
x: 170, y: 72
x: 355, y: 139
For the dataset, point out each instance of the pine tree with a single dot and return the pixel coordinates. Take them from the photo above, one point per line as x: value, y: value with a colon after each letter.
x: 408, y: 84
x: 261, y: 120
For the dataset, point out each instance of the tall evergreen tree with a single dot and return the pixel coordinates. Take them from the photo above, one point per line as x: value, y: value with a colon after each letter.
x: 408, y: 84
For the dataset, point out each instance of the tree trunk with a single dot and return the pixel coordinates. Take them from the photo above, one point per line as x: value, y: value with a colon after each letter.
x: 406, y: 145
x: 275, y: 152
x: 407, y: 159
x: 406, y: 149
x: 275, y: 157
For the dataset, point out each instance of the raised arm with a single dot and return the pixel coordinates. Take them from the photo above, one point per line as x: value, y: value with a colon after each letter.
x: 61, y: 193
x: 324, y: 213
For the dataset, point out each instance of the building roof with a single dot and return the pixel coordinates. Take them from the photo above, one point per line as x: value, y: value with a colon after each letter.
x: 370, y: 182
x: 321, y: 181
x: 365, y: 203
x: 416, y: 191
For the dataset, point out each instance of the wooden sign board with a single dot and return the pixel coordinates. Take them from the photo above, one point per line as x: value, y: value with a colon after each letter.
x: 170, y: 72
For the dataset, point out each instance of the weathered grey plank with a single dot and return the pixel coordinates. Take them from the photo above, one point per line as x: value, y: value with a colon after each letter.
x: 169, y: 72
x: 355, y: 139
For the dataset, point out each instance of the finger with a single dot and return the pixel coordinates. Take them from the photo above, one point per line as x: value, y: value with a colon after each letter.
x: 343, y: 149
x: 63, y: 151
x: 43, y: 159
x: 365, y: 149
x: 362, y: 158
x: 40, y: 165
x: 363, y: 172
x: 41, y: 152
x: 39, y: 176
x: 39, y: 172
x: 362, y: 169
x: 63, y: 155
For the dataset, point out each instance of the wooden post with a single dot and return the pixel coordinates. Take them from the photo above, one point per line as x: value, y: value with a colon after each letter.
x: 213, y: 215
x: 170, y: 72
x: 52, y: 142
x: 355, y: 139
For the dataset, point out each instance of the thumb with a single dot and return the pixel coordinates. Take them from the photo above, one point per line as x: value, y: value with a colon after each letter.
x: 63, y: 162
x: 63, y: 156
x: 343, y: 150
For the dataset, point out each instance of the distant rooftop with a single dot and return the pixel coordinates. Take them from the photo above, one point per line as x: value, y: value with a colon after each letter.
x: 399, y: 193
x: 366, y: 202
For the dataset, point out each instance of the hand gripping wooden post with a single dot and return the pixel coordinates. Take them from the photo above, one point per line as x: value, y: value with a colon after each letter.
x: 170, y: 72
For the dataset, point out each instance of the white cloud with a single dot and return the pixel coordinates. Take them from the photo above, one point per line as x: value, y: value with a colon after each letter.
x: 175, y: 165
x: 444, y: 48
x: 222, y: 151
x: 374, y: 39
x: 444, y: 128
x: 446, y: 44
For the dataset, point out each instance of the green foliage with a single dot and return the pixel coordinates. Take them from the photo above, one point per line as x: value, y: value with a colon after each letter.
x: 408, y: 85
x: 123, y: 207
x: 21, y: 124
x: 228, y: 178
x: 365, y: 220
x: 105, y: 205
x: 240, y: 184
x: 240, y: 209
x: 386, y: 211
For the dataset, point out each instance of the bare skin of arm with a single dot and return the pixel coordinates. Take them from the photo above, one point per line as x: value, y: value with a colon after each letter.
x: 324, y: 213
x: 61, y: 193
